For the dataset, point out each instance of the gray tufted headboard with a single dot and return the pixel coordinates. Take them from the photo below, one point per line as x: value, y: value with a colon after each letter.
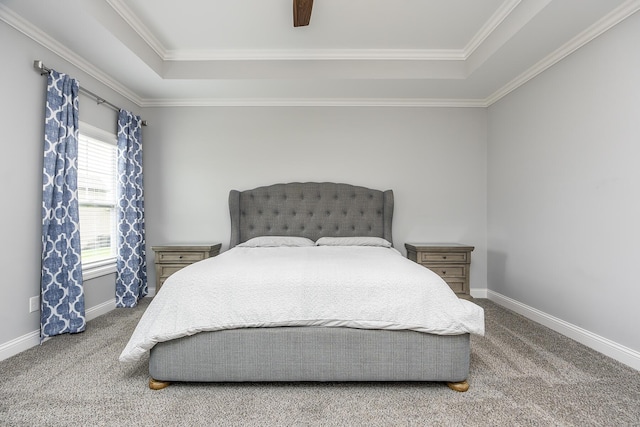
x: 310, y: 209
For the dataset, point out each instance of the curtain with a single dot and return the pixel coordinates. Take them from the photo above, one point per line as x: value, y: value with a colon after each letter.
x: 62, y: 295
x: 131, y: 273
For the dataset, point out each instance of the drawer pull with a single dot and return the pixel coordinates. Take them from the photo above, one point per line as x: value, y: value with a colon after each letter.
x: 444, y: 257
x: 444, y: 271
x: 180, y: 257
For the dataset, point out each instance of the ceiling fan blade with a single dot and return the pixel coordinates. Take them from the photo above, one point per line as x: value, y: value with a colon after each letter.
x: 302, y: 12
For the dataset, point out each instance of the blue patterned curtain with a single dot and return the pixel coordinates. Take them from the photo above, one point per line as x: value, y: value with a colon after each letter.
x: 131, y: 276
x: 62, y: 295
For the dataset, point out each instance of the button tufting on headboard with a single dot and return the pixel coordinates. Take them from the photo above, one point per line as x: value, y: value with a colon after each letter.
x: 330, y: 209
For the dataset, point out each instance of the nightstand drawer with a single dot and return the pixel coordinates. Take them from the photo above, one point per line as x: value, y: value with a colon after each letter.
x: 441, y: 257
x: 456, y: 286
x: 180, y: 257
x: 166, y: 270
x: 449, y: 271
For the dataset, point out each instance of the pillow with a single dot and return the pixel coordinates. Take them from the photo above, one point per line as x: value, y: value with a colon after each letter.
x: 276, y: 241
x: 353, y: 241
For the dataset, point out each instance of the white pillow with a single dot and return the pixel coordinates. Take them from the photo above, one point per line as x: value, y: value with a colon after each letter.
x: 353, y: 241
x: 276, y: 241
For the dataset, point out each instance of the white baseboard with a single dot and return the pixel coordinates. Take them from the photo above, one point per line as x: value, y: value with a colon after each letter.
x: 100, y: 309
x: 478, y: 293
x: 32, y: 339
x: 19, y: 345
x: 603, y: 345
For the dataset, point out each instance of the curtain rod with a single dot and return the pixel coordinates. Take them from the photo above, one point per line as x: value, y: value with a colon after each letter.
x: 38, y: 65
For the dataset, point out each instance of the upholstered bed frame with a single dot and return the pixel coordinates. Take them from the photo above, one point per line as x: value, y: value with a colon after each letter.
x: 311, y: 210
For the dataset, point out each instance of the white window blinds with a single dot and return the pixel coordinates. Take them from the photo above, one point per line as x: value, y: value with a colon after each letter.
x: 97, y: 199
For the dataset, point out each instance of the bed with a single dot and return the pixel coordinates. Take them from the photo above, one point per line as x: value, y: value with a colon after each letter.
x: 292, y: 299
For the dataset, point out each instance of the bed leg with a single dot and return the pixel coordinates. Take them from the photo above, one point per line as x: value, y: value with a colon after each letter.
x: 460, y: 386
x: 158, y: 385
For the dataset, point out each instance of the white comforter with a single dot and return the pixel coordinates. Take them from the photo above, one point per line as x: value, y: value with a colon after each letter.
x: 357, y: 287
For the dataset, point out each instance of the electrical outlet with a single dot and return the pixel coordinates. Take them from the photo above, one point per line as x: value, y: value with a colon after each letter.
x: 34, y: 304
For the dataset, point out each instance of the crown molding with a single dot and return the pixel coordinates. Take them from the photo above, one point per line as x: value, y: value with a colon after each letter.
x: 25, y: 27
x: 616, y: 16
x: 316, y: 102
x: 138, y: 26
x: 490, y: 26
x: 315, y: 54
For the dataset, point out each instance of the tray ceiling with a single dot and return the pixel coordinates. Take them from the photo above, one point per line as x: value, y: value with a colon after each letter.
x: 356, y: 52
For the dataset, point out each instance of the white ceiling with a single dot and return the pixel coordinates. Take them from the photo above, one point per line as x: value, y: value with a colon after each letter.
x: 354, y: 52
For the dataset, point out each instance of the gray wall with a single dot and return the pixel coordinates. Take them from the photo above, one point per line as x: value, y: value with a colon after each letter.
x: 22, y: 124
x: 564, y: 189
x: 433, y: 158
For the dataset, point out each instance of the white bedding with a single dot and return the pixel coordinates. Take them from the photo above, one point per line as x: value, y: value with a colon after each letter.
x: 358, y: 287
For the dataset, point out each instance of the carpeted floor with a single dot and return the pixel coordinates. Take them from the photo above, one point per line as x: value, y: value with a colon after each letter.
x: 521, y: 374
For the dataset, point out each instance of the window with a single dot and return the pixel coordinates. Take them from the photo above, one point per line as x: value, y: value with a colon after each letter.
x: 97, y: 200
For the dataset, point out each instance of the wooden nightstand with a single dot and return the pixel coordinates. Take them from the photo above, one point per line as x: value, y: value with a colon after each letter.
x: 172, y: 258
x: 449, y: 260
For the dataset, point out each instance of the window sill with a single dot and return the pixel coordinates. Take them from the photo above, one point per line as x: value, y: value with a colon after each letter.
x: 98, y: 269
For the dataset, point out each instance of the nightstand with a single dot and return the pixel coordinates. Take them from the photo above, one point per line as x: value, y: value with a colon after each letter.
x: 450, y: 261
x: 172, y: 258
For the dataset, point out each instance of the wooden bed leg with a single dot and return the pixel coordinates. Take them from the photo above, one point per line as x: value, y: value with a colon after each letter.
x: 158, y: 385
x: 460, y: 386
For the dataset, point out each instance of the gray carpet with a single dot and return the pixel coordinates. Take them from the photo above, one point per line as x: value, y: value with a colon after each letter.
x: 521, y: 374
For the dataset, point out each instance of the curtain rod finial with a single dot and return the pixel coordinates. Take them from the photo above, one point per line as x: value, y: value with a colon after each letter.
x: 38, y: 65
